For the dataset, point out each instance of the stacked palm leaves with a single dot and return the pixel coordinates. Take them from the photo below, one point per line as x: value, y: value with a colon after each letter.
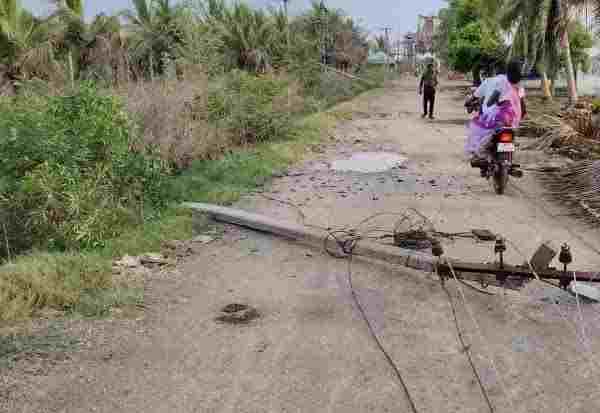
x: 573, y: 130
x: 577, y: 186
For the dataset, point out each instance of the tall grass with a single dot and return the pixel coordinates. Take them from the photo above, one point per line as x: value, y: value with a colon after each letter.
x: 72, y: 282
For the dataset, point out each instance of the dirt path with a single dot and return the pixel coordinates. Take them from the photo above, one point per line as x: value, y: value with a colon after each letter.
x: 310, y: 351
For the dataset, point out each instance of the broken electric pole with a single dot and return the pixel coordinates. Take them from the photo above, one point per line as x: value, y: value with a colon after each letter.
x: 498, y: 274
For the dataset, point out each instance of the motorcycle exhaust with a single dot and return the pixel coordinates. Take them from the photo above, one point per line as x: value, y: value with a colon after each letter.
x: 516, y: 173
x: 479, y: 163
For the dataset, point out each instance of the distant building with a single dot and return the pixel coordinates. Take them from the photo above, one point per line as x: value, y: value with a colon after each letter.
x: 426, y: 29
x: 408, y: 47
x: 396, y: 51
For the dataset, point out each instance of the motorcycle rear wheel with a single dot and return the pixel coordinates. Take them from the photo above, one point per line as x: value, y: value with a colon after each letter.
x: 500, y: 179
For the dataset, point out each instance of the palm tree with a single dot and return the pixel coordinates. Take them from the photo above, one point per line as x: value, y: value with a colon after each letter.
x: 155, y: 31
x: 104, y: 54
x: 247, y: 34
x: 282, y: 37
x: 70, y: 13
x: 535, y: 35
x: 381, y: 42
x: 570, y: 7
x: 541, y: 31
x: 27, y: 44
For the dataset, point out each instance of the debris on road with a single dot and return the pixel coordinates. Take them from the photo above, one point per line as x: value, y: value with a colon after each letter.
x: 351, y: 243
x: 577, y: 186
x: 365, y: 248
x: 203, y: 239
x: 543, y: 256
x: 585, y: 290
x: 238, y: 314
x: 128, y: 262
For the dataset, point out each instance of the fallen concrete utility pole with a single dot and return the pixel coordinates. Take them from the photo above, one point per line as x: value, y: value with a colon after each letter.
x: 480, y: 273
x: 348, y: 75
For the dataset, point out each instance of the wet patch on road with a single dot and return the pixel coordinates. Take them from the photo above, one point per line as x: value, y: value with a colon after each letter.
x: 368, y: 162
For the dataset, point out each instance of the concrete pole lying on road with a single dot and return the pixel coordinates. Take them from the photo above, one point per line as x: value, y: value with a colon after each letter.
x: 314, y: 237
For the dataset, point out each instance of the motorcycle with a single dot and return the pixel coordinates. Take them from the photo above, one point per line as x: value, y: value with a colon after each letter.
x: 499, y: 163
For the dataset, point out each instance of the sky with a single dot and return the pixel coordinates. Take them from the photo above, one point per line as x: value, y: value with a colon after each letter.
x: 399, y: 15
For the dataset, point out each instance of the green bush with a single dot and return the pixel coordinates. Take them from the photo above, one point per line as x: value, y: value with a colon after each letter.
x: 69, y: 174
x: 253, y: 108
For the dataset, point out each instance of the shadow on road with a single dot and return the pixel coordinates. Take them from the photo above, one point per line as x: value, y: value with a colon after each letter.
x: 452, y: 122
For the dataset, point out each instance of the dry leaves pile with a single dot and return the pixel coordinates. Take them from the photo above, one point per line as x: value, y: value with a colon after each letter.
x: 573, y: 132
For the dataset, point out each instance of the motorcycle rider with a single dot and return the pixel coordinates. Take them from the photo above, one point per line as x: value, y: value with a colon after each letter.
x: 503, y: 105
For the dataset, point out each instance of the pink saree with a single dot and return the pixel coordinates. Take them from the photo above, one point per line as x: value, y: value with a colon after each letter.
x: 507, y: 113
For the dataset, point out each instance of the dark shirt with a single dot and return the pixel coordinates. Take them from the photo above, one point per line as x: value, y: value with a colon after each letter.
x: 429, y: 81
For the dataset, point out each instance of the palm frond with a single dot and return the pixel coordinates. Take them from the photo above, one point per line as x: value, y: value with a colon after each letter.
x: 141, y: 12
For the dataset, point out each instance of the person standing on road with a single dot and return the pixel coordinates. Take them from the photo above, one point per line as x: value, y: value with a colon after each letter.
x: 427, y: 88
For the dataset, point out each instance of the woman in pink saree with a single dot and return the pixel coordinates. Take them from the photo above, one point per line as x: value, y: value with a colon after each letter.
x: 503, y: 106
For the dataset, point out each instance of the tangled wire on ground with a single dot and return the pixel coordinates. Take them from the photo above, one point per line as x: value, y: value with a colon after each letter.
x: 409, y: 224
x: 412, y: 230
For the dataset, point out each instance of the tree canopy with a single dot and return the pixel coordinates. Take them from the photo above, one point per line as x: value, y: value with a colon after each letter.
x: 469, y: 40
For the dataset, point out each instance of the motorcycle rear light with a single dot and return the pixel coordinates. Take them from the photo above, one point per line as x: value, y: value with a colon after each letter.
x: 506, y: 137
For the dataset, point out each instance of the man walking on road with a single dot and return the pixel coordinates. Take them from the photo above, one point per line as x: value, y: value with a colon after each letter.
x: 427, y: 88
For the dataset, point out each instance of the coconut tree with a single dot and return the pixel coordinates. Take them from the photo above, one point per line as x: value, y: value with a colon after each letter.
x: 155, y: 31
x: 27, y: 44
x: 247, y: 35
x: 70, y: 13
x: 105, y: 52
x: 534, y: 25
x: 381, y: 42
x: 563, y: 10
x: 541, y: 29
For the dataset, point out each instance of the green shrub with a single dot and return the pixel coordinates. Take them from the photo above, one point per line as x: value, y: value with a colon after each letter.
x: 69, y: 177
x: 253, y: 108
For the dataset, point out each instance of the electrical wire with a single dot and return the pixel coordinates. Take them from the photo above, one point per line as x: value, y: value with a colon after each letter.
x: 347, y: 246
x: 481, y: 336
x: 387, y: 356
x: 357, y: 231
x: 346, y: 239
x: 467, y: 349
x: 583, y: 339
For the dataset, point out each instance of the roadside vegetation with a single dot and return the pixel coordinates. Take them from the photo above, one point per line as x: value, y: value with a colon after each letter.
x: 109, y: 123
x: 545, y: 35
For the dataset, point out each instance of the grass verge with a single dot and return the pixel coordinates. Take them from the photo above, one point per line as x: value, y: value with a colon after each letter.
x: 52, y: 340
x: 82, y: 283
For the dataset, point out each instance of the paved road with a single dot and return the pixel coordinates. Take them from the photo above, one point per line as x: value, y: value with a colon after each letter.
x: 311, y: 351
